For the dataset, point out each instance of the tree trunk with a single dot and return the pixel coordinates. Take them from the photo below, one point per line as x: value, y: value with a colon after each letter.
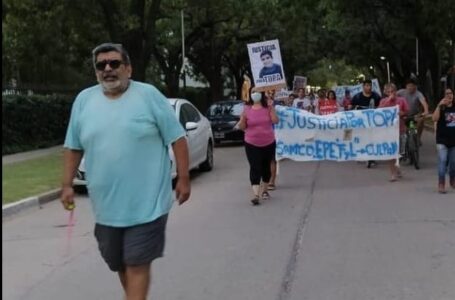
x: 172, y: 80
x: 216, y: 87
x: 430, y: 62
x: 139, y: 59
x: 451, y: 76
x: 238, y: 77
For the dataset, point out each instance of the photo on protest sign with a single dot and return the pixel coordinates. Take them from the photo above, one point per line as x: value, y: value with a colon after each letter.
x: 266, y: 65
x: 299, y: 83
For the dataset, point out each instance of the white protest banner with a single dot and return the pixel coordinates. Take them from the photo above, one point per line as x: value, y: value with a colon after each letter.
x: 266, y: 65
x: 299, y: 82
x: 355, y: 89
x: 370, y: 134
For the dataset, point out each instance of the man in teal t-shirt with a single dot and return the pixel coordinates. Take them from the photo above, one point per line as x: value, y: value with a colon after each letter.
x: 123, y: 128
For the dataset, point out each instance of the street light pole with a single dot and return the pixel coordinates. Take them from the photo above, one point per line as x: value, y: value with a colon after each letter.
x: 417, y: 56
x: 388, y: 72
x: 183, y: 49
x: 388, y: 68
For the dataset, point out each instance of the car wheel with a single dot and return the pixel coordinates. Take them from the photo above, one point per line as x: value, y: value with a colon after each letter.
x: 217, y: 142
x: 207, y: 165
x: 80, y: 189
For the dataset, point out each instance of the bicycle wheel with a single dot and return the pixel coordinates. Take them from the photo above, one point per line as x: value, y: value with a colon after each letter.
x: 412, y: 148
x: 411, y: 157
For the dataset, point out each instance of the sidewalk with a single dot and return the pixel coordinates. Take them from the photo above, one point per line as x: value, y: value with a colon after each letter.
x: 13, y: 158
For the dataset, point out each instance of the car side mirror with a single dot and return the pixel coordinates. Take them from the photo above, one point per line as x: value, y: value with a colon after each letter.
x: 191, y: 126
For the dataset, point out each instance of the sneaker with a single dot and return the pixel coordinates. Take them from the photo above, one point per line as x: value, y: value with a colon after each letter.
x: 441, y: 188
x: 255, y: 200
x: 371, y: 164
x: 265, y: 196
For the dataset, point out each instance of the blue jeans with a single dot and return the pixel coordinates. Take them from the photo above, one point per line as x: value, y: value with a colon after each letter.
x: 446, y: 160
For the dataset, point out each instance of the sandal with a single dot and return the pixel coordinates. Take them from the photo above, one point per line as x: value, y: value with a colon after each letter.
x: 255, y: 200
x: 265, y: 196
x: 271, y: 187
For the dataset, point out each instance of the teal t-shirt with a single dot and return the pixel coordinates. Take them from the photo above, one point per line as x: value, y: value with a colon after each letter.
x: 125, y: 143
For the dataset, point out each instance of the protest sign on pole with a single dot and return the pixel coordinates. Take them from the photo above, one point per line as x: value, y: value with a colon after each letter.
x: 282, y: 94
x: 299, y: 83
x: 266, y: 65
x: 360, y: 135
x: 281, y: 97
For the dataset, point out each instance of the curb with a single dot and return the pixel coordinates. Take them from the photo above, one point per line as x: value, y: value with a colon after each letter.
x: 34, y: 201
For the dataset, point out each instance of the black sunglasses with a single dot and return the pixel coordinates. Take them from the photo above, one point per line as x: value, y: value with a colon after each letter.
x: 114, y: 64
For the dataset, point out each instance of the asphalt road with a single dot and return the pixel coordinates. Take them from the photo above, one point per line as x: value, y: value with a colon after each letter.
x: 331, y: 231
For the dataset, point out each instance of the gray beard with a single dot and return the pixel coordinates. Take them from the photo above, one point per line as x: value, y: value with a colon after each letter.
x: 110, y: 86
x: 115, y: 86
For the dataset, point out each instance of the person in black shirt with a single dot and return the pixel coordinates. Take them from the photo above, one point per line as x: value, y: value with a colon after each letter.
x: 363, y: 99
x: 366, y: 99
x: 444, y: 115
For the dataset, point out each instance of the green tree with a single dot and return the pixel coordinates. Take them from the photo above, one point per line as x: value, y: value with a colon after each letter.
x: 390, y: 29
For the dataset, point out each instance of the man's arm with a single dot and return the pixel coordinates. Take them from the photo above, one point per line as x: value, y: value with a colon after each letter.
x: 424, y: 103
x: 182, y: 188
x: 72, y: 159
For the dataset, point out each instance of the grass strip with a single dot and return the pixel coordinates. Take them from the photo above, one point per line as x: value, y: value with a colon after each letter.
x: 31, y: 177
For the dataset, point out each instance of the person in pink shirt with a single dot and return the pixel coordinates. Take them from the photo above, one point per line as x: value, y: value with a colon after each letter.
x: 257, y: 121
x: 390, y: 90
x: 328, y: 105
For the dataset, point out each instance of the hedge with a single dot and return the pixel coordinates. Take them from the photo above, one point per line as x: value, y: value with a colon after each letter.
x: 39, y: 121
x: 31, y: 122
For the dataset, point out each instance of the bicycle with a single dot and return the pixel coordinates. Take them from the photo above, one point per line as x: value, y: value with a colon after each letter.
x: 412, y: 143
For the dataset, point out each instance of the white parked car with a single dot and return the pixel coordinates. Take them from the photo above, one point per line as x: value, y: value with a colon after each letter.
x: 199, y: 136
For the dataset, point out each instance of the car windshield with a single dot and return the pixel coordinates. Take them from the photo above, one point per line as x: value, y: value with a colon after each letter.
x: 233, y: 109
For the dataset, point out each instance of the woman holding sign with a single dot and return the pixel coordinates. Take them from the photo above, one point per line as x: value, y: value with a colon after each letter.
x: 257, y: 121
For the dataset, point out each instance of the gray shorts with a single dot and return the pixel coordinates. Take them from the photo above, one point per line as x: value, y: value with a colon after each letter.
x: 131, y: 246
